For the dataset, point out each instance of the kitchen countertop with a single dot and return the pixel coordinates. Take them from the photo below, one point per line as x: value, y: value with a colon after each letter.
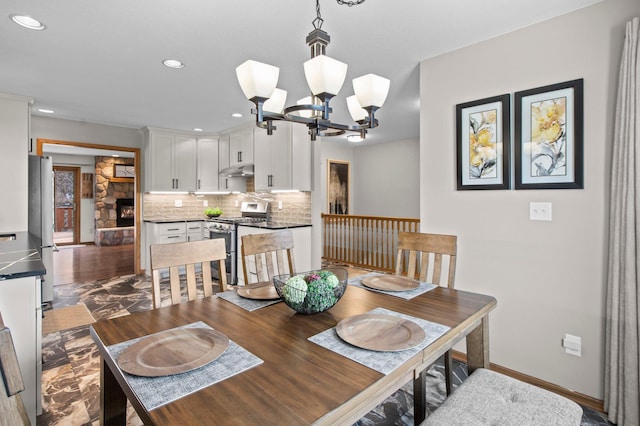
x: 275, y: 225
x: 19, y: 258
x: 169, y: 220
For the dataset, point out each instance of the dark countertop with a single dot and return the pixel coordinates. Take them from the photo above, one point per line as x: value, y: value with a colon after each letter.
x: 19, y: 258
x: 275, y: 225
x: 167, y: 220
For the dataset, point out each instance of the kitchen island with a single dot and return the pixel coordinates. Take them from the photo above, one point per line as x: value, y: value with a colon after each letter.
x: 20, y: 304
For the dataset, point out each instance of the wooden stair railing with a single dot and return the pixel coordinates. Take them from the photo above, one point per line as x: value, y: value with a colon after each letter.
x: 369, y: 242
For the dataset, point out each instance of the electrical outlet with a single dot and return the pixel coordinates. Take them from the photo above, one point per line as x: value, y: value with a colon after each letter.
x: 572, y: 345
x: 279, y: 205
x: 178, y: 203
x: 540, y: 211
x: 205, y: 203
x: 237, y: 203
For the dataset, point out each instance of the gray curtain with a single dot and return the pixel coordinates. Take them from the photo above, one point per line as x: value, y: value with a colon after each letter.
x: 622, y: 356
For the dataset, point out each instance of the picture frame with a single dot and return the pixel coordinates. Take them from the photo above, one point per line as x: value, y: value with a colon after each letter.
x: 123, y: 173
x: 338, y: 186
x: 549, y: 137
x: 483, y: 135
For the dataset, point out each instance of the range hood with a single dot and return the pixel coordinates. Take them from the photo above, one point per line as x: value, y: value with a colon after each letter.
x: 239, y: 170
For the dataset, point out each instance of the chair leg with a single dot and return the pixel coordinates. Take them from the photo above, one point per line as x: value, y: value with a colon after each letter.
x: 448, y: 371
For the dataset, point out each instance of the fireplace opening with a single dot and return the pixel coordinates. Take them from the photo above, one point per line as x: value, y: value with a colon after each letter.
x: 125, y: 212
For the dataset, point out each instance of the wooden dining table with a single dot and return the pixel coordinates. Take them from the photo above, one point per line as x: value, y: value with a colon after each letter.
x: 299, y: 382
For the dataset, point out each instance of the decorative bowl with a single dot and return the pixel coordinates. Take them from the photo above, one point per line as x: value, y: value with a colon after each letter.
x: 213, y: 215
x: 312, y: 292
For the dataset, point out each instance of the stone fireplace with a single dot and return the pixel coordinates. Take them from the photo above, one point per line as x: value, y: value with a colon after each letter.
x: 114, y: 203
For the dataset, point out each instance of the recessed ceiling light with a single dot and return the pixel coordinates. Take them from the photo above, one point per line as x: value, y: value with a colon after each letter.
x: 46, y: 111
x: 27, y: 22
x: 197, y: 129
x: 354, y: 138
x: 172, y: 63
x: 236, y: 115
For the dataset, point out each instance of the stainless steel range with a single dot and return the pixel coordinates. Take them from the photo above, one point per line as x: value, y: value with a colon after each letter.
x: 227, y: 228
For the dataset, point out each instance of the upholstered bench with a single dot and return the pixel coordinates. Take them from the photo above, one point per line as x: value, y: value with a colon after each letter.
x: 490, y: 398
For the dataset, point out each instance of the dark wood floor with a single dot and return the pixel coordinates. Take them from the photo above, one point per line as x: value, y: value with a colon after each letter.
x: 90, y: 262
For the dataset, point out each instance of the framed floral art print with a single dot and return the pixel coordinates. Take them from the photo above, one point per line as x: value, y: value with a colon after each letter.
x: 549, y: 137
x: 483, y: 134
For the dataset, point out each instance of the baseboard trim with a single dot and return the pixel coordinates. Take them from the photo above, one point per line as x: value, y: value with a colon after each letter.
x: 584, y: 400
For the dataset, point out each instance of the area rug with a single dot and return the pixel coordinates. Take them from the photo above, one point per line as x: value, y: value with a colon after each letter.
x: 65, y: 318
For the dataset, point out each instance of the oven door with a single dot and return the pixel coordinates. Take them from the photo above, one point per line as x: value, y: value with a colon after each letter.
x: 230, y: 262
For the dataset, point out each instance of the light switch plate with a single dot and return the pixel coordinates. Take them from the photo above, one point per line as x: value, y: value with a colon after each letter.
x: 540, y: 211
x: 178, y: 203
x: 205, y: 203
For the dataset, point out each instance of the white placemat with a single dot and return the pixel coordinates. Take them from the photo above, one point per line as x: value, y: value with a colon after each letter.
x: 155, y: 392
x: 383, y: 362
x: 407, y: 294
x: 243, y: 302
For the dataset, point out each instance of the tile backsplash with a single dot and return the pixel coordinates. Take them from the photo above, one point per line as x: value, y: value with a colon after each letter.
x: 296, y: 206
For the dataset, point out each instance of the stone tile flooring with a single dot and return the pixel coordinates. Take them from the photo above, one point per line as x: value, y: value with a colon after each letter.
x: 71, y: 366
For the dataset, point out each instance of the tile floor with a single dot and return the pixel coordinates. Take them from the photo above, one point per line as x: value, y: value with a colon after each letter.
x: 71, y: 366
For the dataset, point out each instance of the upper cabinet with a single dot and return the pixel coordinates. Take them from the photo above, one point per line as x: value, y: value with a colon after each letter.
x: 226, y: 183
x: 241, y: 146
x: 207, y: 164
x: 282, y: 160
x: 179, y: 162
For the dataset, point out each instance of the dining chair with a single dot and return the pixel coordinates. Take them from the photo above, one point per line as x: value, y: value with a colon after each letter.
x: 421, y: 256
x: 11, y: 384
x: 182, y: 259
x: 264, y: 255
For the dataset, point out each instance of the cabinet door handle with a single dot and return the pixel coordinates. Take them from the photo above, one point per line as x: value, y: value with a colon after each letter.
x: 173, y: 236
x: 269, y: 180
x: 198, y: 183
x: 239, y: 156
x: 226, y: 183
x: 173, y: 229
x: 177, y: 185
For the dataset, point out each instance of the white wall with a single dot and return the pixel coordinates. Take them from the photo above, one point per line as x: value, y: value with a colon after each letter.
x: 548, y: 277
x: 79, y: 131
x: 14, y: 142
x: 386, y: 179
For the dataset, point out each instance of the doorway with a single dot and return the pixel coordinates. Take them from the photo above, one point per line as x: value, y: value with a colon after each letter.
x: 66, y: 189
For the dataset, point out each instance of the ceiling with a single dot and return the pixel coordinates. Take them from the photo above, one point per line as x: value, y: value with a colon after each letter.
x: 101, y: 61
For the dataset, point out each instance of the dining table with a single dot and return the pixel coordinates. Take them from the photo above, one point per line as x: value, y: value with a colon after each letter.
x: 294, y: 380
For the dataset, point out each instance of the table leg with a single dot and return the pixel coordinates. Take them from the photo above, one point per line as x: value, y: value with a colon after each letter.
x: 420, y: 397
x: 113, y: 402
x: 478, y: 346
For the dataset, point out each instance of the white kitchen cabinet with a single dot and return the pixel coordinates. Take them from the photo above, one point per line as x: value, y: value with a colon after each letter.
x: 225, y: 183
x: 283, y: 160
x: 170, y: 161
x: 194, y: 231
x: 207, y: 165
x: 241, y: 146
x: 301, y: 249
x: 22, y: 314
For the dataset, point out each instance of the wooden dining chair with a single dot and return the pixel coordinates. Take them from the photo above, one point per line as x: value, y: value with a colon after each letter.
x: 421, y: 256
x: 181, y: 259
x: 264, y: 255
x: 12, y: 408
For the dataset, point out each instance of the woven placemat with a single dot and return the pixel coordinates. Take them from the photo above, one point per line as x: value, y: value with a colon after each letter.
x: 407, y: 294
x: 155, y: 392
x: 244, y: 303
x: 383, y: 362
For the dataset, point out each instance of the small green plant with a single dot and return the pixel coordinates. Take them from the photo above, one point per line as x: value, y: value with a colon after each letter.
x: 215, y: 211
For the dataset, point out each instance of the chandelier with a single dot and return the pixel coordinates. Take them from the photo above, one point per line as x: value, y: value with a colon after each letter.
x: 325, y: 77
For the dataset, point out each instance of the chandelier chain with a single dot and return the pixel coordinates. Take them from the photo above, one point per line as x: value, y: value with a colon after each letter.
x: 317, y: 23
x: 350, y: 3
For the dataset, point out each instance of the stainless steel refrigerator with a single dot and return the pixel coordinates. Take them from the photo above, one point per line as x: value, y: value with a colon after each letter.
x: 41, y: 216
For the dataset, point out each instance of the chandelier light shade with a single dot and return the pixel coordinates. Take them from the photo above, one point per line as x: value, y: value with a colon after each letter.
x: 358, y: 114
x: 257, y: 80
x: 276, y: 101
x: 371, y: 91
x: 325, y: 77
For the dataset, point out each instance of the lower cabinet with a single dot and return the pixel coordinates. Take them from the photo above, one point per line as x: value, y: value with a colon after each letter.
x: 170, y: 232
x: 301, y: 251
x: 21, y: 311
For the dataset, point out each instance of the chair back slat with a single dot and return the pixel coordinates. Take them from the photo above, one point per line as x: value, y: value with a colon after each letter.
x: 182, y: 259
x: 12, y: 408
x: 271, y: 254
x: 425, y: 253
